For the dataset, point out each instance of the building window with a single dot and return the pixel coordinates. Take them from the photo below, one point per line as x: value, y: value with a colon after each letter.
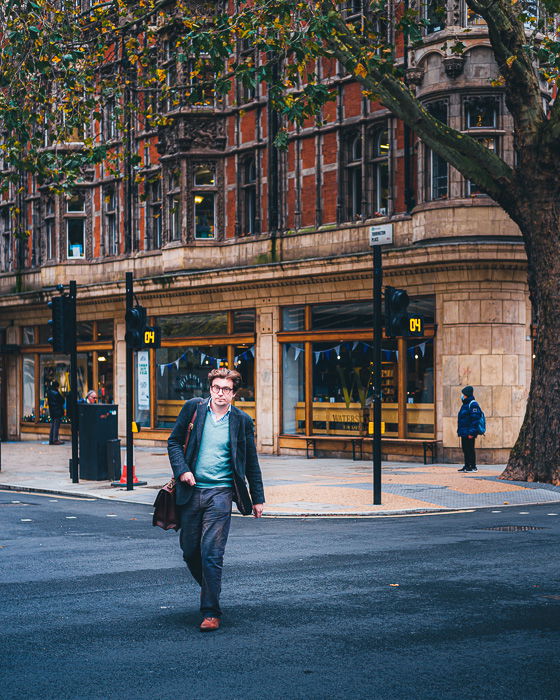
x: 247, y: 85
x: 202, y: 93
x: 49, y: 228
x: 434, y: 15
x: 436, y: 169
x: 249, y: 196
x: 28, y: 415
x: 491, y: 143
x: 174, y: 206
x: 75, y: 226
x: 154, y: 215
x: 354, y: 179
x: 6, y: 236
x: 110, y: 129
x: 380, y: 171
x: 110, y: 220
x: 204, y: 199
x: 481, y: 113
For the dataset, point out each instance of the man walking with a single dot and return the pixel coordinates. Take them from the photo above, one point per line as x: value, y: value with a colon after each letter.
x: 211, y: 473
x: 56, y: 411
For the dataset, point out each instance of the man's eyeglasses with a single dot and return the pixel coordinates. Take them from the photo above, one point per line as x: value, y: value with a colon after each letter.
x: 226, y: 390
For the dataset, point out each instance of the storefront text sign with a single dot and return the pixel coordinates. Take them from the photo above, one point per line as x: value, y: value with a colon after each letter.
x: 143, y: 380
x: 381, y: 235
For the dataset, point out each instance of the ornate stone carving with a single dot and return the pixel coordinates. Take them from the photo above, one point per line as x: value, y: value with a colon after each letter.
x: 453, y: 66
x: 414, y: 75
x: 192, y: 132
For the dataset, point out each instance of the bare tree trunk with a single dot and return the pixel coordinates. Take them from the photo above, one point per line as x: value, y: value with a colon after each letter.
x: 536, y: 454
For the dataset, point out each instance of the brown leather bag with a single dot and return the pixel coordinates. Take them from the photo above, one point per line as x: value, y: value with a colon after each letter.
x: 165, y: 510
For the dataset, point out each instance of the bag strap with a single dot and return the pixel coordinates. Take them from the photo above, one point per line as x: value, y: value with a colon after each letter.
x: 189, y: 429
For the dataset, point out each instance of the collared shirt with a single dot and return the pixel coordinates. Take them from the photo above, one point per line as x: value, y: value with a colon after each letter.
x: 215, y: 417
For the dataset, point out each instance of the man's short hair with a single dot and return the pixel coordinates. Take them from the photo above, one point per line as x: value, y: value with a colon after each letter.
x: 225, y: 373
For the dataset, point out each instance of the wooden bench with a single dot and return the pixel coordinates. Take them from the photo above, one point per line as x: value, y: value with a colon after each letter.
x: 429, y: 446
x: 311, y: 441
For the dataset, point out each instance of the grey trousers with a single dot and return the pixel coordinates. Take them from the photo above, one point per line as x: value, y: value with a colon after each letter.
x: 205, y: 522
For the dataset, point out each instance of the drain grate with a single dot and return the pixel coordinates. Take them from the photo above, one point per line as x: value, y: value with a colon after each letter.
x: 515, y: 528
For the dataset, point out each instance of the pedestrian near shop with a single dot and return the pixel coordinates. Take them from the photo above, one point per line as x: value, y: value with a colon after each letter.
x: 56, y: 412
x: 212, y: 472
x: 468, y: 424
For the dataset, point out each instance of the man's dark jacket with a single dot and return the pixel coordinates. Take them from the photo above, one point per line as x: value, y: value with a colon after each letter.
x: 243, y: 454
x: 468, y: 419
x: 56, y: 403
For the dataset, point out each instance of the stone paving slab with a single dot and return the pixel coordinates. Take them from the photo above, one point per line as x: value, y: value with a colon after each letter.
x: 294, y: 486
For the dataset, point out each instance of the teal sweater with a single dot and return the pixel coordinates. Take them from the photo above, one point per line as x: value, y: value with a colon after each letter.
x: 213, y: 466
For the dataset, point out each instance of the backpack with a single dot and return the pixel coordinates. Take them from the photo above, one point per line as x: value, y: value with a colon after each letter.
x: 481, y: 428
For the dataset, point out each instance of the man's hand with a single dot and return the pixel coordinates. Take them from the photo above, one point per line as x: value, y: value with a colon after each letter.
x: 258, y: 510
x: 187, y: 478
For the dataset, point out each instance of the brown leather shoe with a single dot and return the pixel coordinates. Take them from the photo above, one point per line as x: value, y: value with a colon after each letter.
x: 209, y: 624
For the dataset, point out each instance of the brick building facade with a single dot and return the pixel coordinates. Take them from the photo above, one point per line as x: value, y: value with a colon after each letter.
x: 251, y: 257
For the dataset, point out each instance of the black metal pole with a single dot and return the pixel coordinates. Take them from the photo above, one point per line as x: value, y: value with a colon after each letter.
x: 129, y: 380
x: 74, y: 386
x: 377, y: 331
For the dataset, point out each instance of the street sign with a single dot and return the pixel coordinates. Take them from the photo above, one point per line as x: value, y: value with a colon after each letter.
x: 381, y: 235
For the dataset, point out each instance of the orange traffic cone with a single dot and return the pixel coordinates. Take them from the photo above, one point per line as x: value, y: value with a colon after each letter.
x: 123, y: 479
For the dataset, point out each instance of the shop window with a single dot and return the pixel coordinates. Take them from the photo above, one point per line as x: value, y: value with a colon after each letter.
x: 244, y: 321
x: 110, y: 220
x: 244, y: 363
x: 434, y: 15
x: 249, y: 196
x: 28, y: 335
x: 481, y: 113
x: 189, y: 325
x: 293, y: 318
x: 353, y: 178
x: 293, y: 388
x: 420, y: 416
x: 437, y: 170
x: 154, y: 215
x: 339, y: 316
x: 174, y: 206
x: 181, y: 374
x: 105, y: 377
x: 84, y: 331
x: 380, y: 171
x: 28, y: 389
x: 204, y: 197
x: 105, y: 329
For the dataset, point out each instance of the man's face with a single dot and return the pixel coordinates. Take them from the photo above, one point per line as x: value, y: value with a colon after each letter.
x: 221, y: 391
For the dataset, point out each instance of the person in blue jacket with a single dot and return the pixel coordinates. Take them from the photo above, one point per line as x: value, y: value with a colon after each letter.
x: 468, y: 422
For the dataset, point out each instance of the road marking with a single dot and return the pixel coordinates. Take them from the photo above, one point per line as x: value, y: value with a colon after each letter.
x: 26, y: 520
x: 71, y: 517
x: 47, y: 495
x: 111, y: 515
x: 523, y: 512
x: 53, y: 500
x: 16, y: 501
x: 496, y: 511
x: 552, y: 513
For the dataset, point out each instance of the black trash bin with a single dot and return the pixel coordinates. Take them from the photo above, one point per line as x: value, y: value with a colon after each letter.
x: 98, y: 424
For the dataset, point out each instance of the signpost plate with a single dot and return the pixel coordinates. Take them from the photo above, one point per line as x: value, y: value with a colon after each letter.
x: 381, y: 235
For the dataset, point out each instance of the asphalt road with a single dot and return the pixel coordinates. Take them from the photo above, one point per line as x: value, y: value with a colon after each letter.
x: 96, y: 603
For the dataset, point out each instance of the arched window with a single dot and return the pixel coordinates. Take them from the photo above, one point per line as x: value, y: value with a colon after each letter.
x: 380, y: 171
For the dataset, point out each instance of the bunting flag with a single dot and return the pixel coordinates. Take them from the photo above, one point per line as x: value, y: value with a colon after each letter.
x: 297, y: 352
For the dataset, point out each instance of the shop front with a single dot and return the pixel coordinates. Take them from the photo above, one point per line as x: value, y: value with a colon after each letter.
x: 327, y: 377
x: 40, y: 367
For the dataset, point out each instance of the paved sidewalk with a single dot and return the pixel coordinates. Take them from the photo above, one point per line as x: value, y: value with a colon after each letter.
x: 293, y: 485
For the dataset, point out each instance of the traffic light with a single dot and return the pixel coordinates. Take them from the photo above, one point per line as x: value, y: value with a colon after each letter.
x: 396, y: 316
x: 135, y: 326
x: 62, y: 324
x: 398, y: 321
